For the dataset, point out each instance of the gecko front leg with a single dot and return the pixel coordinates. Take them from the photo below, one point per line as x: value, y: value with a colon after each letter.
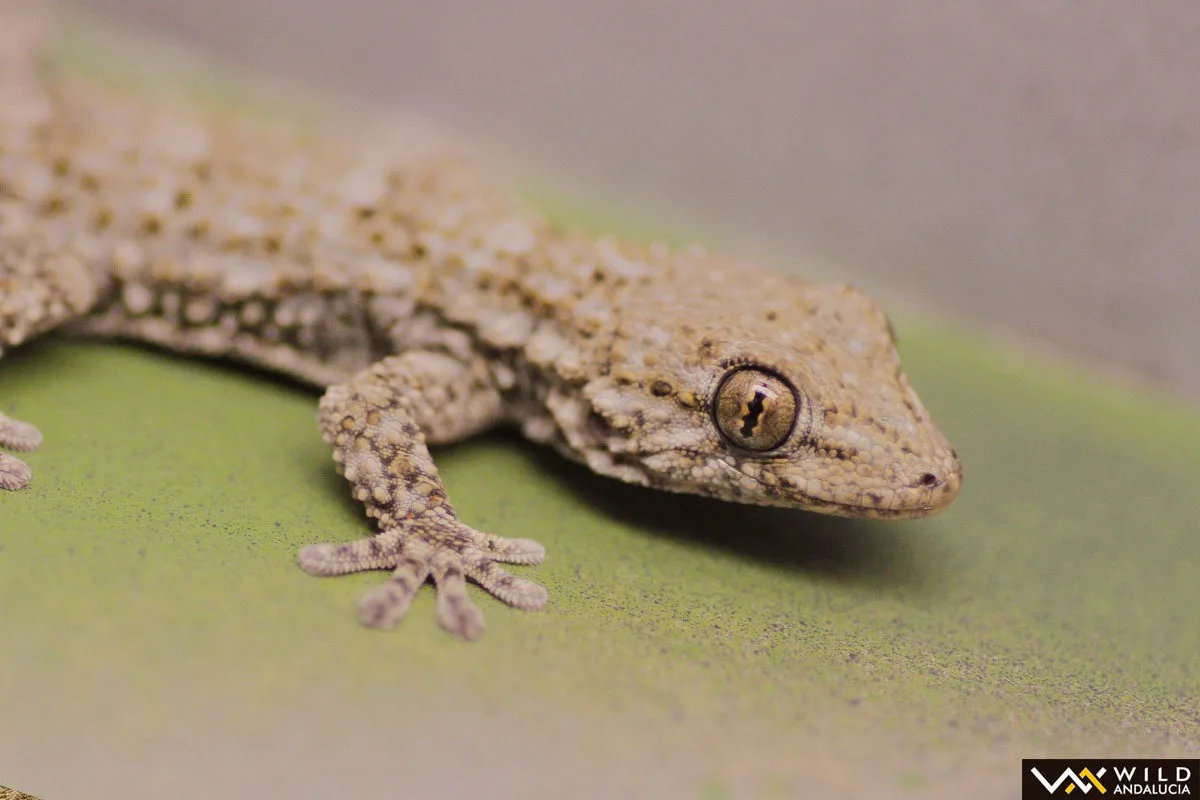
x: 43, y: 283
x: 378, y: 425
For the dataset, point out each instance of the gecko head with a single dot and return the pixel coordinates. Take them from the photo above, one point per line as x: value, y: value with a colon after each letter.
x: 757, y: 388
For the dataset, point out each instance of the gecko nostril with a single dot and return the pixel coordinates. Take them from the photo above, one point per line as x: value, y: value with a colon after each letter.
x: 929, y: 480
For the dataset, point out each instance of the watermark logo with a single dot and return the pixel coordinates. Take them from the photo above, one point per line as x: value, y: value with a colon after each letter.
x: 1058, y: 777
x: 1070, y: 780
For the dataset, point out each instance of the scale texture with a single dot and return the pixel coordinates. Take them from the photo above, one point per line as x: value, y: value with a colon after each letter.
x: 394, y: 271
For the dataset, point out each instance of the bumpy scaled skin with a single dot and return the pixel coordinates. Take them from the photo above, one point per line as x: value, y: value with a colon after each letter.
x: 432, y: 305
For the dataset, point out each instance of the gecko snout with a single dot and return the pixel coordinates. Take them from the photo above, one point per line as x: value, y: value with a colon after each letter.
x: 942, y: 481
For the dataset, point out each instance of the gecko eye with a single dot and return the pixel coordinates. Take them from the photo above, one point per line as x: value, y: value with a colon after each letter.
x: 755, y: 410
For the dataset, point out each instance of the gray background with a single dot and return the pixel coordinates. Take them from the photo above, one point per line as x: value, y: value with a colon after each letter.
x: 1030, y: 163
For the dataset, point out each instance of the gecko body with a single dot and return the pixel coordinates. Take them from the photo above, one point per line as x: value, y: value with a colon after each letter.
x: 429, y: 304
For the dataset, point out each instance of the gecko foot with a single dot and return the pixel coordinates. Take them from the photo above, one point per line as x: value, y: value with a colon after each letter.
x: 14, y: 473
x: 449, y: 553
x: 20, y: 436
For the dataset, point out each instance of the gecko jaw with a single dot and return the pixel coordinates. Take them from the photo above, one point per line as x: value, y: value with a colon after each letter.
x: 940, y: 496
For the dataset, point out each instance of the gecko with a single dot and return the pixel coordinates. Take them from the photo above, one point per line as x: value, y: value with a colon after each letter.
x: 399, y: 275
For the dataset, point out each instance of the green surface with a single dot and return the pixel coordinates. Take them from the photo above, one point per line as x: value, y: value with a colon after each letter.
x: 1053, y: 606
x: 147, y: 579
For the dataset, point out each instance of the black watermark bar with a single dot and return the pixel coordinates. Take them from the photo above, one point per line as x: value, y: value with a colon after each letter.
x: 1109, y: 777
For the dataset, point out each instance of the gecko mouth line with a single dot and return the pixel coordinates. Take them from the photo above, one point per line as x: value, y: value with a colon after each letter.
x: 841, y: 509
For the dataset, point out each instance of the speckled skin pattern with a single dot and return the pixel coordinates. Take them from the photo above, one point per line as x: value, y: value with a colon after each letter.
x: 430, y: 304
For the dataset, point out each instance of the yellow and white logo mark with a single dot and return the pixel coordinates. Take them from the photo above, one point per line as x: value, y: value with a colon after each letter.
x: 1083, y: 780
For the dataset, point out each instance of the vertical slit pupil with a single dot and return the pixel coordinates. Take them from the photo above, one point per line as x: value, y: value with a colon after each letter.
x: 754, y: 411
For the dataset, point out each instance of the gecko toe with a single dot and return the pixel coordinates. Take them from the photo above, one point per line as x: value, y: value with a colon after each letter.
x: 384, y: 606
x: 459, y: 617
x: 514, y: 551
x: 456, y: 614
x: 19, y: 436
x: 14, y: 473
x: 325, y: 560
x: 516, y: 592
x: 317, y: 559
